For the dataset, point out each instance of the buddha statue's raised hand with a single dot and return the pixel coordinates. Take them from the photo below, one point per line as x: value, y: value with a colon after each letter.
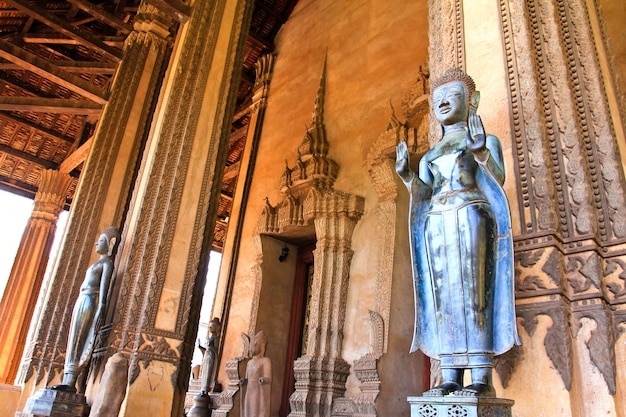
x: 477, y: 138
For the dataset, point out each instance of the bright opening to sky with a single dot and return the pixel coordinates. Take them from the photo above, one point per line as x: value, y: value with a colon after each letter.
x: 15, y: 211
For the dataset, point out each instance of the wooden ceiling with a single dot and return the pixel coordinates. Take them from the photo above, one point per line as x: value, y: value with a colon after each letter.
x: 57, y: 61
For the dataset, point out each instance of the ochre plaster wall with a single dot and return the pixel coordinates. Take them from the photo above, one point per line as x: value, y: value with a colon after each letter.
x: 374, y: 51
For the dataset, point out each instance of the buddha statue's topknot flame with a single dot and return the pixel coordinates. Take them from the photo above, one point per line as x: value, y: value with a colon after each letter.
x: 455, y: 74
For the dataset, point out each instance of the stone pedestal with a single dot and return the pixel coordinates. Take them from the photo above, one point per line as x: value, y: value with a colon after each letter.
x: 452, y: 406
x: 53, y: 403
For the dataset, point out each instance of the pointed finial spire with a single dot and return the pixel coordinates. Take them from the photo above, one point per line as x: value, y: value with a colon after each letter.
x: 318, y: 111
x: 393, y: 121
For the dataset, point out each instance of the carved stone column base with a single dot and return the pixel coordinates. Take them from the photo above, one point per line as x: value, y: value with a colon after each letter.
x: 53, y: 403
x: 460, y: 406
x: 201, y: 406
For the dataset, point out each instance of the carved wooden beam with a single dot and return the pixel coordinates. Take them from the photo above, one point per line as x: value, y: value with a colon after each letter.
x: 49, y: 105
x: 43, y: 68
x: 41, y: 14
x: 76, y: 158
x: 30, y: 125
x: 28, y: 157
x: 226, y: 196
x: 264, y: 43
x: 231, y: 171
x: 82, y: 67
x: 59, y: 39
x: 17, y: 187
x: 241, y: 112
x: 102, y: 15
x: 237, y: 134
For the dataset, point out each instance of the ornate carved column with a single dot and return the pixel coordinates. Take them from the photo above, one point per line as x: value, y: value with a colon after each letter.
x: 570, y: 181
x: 264, y: 70
x: 105, y: 186
x: 170, y: 223
x: 29, y: 267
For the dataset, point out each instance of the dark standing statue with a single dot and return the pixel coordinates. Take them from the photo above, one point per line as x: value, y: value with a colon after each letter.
x: 461, y: 245
x: 209, y: 357
x: 89, y: 310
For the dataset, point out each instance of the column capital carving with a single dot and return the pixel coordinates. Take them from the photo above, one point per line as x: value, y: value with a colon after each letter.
x: 50, y: 197
x: 264, y: 70
x: 151, y: 19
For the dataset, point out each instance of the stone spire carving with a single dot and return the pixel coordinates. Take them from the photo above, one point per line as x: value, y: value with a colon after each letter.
x: 313, y: 167
x: 309, y: 202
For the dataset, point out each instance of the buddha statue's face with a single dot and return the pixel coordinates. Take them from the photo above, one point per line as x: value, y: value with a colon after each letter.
x: 102, y: 245
x: 257, y: 346
x: 450, y: 103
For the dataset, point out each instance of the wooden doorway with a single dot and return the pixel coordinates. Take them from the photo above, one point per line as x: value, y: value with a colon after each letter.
x: 298, y: 327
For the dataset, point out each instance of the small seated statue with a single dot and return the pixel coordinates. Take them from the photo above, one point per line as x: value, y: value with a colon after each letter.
x: 258, y: 378
x: 89, y: 310
x: 461, y: 244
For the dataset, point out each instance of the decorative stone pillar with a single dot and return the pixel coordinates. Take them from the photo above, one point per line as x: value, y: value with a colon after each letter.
x: 29, y: 267
x: 171, y: 218
x: 264, y: 70
x: 569, y: 256
x: 104, y: 190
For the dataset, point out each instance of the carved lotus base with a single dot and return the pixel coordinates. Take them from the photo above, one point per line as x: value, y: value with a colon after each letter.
x: 54, y: 403
x: 451, y: 406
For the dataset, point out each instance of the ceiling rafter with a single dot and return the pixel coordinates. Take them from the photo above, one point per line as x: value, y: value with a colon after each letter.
x: 17, y: 187
x: 41, y: 14
x: 231, y: 171
x: 59, y: 39
x: 81, y: 42
x: 81, y: 67
x: 45, y: 69
x: 102, y: 15
x: 269, y: 46
x: 49, y: 105
x: 76, y: 158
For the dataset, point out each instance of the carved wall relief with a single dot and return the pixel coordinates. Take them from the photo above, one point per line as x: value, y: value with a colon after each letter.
x: 446, y: 44
x: 381, y: 167
x: 365, y: 368
x: 601, y: 340
x: 569, y: 177
x: 558, y: 340
x: 312, y: 209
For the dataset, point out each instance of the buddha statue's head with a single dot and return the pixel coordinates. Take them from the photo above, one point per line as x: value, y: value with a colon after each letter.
x: 453, y: 95
x: 258, y: 344
x: 107, y: 241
